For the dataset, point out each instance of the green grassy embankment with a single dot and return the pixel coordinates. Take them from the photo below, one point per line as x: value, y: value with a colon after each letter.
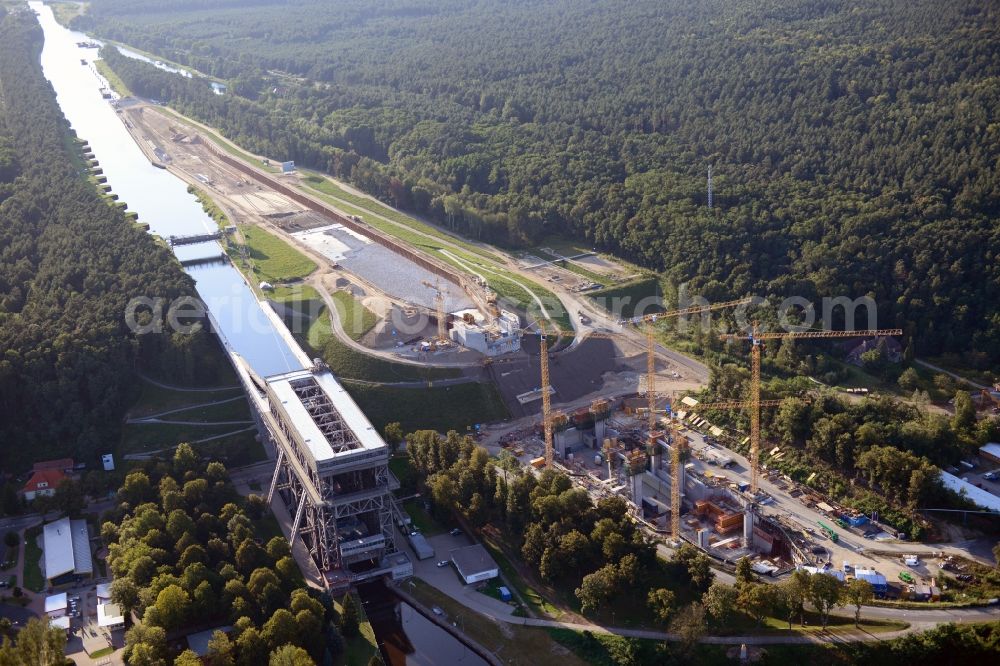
x: 209, y: 206
x: 437, y: 407
x: 273, y: 259
x: 621, y: 300
x: 355, y: 318
x: 415, y: 233
x: 239, y: 448
x: 358, y: 651
x: 114, y: 80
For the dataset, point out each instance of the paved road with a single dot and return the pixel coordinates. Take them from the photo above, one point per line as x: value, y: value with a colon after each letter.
x: 951, y: 374
x: 850, y: 547
x: 918, y: 620
x: 342, y: 335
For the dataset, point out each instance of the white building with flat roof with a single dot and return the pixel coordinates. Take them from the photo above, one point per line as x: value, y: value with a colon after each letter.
x: 474, y: 564
x: 110, y: 616
x: 66, y: 548
x: 982, y: 498
x: 56, y: 604
x: 503, y: 336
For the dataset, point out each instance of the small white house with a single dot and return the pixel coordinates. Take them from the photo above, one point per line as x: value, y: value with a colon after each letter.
x: 474, y: 564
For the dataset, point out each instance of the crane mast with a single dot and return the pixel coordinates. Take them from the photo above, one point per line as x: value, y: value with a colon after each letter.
x: 756, y: 338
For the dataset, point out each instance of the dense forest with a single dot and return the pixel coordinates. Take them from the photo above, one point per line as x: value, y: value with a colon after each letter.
x: 69, y: 264
x: 855, y: 146
x: 187, y: 554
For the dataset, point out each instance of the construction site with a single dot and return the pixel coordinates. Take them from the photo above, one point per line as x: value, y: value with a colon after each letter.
x: 686, y: 482
x: 599, y: 402
x: 428, y: 311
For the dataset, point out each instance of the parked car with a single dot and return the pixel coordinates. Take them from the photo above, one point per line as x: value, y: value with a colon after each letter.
x: 437, y: 610
x: 456, y: 532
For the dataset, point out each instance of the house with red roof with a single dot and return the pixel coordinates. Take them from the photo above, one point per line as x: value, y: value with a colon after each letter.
x: 43, y: 482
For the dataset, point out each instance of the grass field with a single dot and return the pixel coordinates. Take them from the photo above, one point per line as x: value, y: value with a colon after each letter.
x: 64, y: 12
x: 359, y: 650
x: 267, y: 527
x: 234, y: 410
x: 347, y: 363
x: 209, y: 207
x: 146, y: 438
x: 355, y: 318
x: 154, y: 399
x: 114, y: 80
x: 32, y: 556
x: 423, y: 521
x: 438, y: 408
x: 328, y: 187
x: 273, y: 259
x: 626, y: 296
x: 510, y: 642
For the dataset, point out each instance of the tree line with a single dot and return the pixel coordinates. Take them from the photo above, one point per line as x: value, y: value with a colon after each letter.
x: 69, y: 264
x: 855, y: 149
x: 185, y: 555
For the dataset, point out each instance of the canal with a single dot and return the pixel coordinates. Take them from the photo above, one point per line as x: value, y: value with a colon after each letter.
x: 160, y: 198
x: 407, y: 638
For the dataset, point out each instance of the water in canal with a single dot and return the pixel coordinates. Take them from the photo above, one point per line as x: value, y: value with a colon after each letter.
x: 406, y: 637
x: 162, y: 201
x: 160, y: 198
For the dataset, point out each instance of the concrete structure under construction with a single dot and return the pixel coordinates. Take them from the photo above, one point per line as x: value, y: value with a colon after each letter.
x: 501, y: 336
x: 332, y: 474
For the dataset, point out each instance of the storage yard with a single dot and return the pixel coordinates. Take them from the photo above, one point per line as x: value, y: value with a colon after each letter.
x: 604, y: 447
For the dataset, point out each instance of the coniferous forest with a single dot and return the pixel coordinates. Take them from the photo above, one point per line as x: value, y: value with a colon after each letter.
x: 855, y: 145
x: 69, y: 264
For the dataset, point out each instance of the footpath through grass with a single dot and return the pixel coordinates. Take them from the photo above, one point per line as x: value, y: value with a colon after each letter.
x: 241, y: 448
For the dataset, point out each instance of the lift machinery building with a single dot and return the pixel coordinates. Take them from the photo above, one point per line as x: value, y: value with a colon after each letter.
x: 332, y: 474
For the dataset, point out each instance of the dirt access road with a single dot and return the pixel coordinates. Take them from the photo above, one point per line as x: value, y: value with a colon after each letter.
x: 247, y: 202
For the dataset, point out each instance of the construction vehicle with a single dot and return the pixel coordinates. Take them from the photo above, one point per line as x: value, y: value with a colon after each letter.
x: 828, y: 531
x: 757, y: 338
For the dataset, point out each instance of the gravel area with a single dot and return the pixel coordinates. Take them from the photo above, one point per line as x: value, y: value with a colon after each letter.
x: 391, y: 273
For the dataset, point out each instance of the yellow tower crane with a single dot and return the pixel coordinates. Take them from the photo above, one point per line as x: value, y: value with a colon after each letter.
x: 648, y: 322
x: 756, y: 338
x: 543, y: 350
